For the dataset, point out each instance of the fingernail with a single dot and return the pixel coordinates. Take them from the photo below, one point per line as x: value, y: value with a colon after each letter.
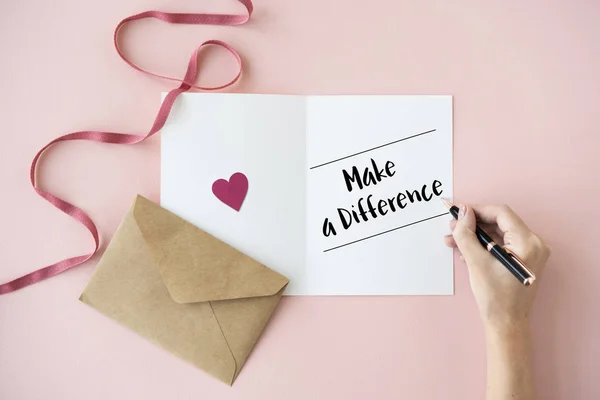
x: 462, y: 211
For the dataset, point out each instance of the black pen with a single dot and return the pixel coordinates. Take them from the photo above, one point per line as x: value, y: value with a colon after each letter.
x: 509, y: 259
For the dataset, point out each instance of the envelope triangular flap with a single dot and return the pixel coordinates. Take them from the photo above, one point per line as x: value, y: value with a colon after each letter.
x: 196, y: 266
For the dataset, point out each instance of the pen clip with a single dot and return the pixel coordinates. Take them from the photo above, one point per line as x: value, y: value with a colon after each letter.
x: 527, y: 281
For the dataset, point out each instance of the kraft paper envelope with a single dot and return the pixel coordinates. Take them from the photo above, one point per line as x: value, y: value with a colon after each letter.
x: 184, y: 290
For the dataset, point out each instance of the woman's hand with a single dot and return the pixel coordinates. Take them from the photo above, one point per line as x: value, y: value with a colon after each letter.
x: 501, y: 298
x: 504, y: 302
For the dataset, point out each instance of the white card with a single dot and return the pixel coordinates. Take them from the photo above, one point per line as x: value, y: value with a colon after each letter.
x: 294, y: 151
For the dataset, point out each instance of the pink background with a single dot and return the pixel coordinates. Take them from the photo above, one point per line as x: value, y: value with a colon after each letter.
x: 525, y: 76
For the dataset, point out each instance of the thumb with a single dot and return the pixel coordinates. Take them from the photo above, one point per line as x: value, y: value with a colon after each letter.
x: 464, y: 236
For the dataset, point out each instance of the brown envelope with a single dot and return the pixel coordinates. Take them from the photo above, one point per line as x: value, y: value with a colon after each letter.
x: 184, y: 290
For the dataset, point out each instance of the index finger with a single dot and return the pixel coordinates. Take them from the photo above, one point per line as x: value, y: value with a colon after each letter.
x: 503, y: 216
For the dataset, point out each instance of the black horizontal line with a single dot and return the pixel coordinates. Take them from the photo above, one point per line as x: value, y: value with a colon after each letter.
x: 384, y: 232
x: 374, y: 148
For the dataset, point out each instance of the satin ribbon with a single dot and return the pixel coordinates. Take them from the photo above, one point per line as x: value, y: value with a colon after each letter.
x: 187, y: 83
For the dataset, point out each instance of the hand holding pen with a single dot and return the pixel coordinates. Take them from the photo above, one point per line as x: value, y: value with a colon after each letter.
x: 504, y: 302
x: 504, y: 255
x: 494, y: 284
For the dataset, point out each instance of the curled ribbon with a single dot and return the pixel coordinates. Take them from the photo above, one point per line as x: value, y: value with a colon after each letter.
x: 187, y: 83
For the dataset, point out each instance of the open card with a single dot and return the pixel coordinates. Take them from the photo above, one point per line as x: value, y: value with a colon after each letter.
x: 343, y: 191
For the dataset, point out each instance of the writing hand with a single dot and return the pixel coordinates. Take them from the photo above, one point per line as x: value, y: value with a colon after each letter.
x: 504, y: 302
x: 501, y: 298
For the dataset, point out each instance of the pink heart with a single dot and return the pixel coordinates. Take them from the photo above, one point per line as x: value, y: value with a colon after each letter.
x: 233, y: 192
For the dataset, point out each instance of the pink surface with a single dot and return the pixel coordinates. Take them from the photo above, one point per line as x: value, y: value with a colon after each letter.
x: 525, y: 80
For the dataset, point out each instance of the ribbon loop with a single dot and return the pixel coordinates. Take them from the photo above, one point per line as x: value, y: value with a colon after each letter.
x: 179, y: 18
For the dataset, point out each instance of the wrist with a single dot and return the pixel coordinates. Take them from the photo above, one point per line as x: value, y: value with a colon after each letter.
x: 509, y: 330
x: 501, y: 320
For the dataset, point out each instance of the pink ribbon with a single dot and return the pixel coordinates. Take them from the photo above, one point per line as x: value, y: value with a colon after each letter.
x: 187, y: 83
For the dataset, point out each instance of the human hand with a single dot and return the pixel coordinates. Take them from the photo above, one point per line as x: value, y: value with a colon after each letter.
x: 503, y: 301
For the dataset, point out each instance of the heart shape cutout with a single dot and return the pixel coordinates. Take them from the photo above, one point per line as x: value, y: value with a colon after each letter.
x: 232, y: 192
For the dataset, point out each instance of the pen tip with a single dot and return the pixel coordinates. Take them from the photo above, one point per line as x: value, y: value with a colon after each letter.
x: 446, y: 202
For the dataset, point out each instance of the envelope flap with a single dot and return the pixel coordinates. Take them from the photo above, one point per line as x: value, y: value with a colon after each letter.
x: 194, y: 265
